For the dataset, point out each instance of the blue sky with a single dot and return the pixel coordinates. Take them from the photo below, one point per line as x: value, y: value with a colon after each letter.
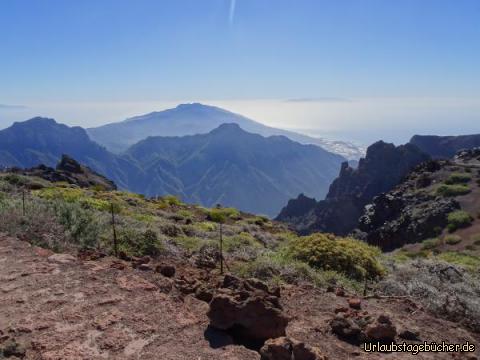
x: 91, y: 57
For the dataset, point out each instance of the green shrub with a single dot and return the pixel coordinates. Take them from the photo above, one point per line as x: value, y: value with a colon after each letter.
x: 192, y: 244
x: 17, y: 180
x: 55, y: 193
x: 207, y: 226
x: 458, y: 178
x: 452, y: 239
x: 458, y: 219
x: 402, y: 255
x: 430, y: 244
x: 81, y: 224
x: 150, y: 244
x: 344, y: 255
x: 242, y: 240
x: 272, y: 267
x: 220, y: 215
x: 172, y: 200
x: 467, y: 261
x: 137, y: 241
x: 452, y: 190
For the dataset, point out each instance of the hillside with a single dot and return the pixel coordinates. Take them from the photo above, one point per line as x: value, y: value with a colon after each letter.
x: 444, y: 147
x: 437, y: 208
x: 44, y: 141
x: 65, y: 295
x: 383, y: 167
x: 192, y: 119
x: 235, y: 168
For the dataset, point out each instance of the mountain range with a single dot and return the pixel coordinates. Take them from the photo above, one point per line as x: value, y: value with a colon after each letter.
x: 228, y: 165
x: 191, y: 119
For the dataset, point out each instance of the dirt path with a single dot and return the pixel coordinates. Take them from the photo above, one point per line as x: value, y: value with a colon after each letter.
x: 91, y: 310
x: 62, y: 308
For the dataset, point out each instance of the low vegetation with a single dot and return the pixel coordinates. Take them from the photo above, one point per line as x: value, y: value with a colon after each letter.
x: 444, y: 289
x: 452, y: 239
x: 458, y: 219
x: 65, y: 217
x: 344, y: 255
x: 452, y: 190
x: 458, y: 178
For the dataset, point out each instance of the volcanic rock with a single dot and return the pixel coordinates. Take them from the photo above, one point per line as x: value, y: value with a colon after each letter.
x: 284, y: 348
x: 247, y: 308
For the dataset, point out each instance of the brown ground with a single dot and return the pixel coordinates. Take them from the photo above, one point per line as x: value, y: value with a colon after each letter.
x: 102, y: 309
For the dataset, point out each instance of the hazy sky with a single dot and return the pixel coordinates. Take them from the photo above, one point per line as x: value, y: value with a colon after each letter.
x: 362, y: 69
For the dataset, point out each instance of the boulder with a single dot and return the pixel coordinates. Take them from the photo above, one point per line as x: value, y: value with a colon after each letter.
x: 345, y: 329
x: 355, y: 303
x: 166, y: 270
x: 284, y: 348
x: 247, y: 308
x: 382, y: 330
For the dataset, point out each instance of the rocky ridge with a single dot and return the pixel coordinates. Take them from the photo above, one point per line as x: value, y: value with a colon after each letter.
x: 383, y: 168
x: 415, y: 210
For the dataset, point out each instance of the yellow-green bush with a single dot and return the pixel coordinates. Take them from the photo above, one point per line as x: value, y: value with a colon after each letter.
x: 207, y: 226
x: 458, y: 178
x: 172, y: 200
x: 344, y: 255
x: 221, y: 215
x: 430, y: 244
x: 452, y: 190
x: 467, y: 261
x: 67, y: 194
x: 242, y: 240
x: 458, y: 219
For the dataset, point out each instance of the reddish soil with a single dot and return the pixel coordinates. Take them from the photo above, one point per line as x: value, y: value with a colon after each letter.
x: 66, y: 308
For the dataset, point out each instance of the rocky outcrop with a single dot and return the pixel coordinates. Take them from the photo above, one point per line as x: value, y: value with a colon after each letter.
x: 70, y: 171
x: 383, y: 168
x: 248, y: 310
x: 395, y: 219
x: 409, y: 213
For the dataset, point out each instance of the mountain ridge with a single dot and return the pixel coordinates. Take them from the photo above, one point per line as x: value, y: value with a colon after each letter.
x: 228, y: 165
x: 196, y: 118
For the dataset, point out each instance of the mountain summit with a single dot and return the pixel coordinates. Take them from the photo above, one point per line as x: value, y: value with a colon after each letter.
x: 196, y: 118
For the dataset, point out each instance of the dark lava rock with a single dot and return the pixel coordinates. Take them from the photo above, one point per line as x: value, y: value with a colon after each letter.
x: 166, y: 270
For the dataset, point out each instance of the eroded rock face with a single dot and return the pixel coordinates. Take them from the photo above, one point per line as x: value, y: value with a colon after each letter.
x: 247, y: 308
x: 284, y: 348
x: 400, y: 217
x: 383, y: 168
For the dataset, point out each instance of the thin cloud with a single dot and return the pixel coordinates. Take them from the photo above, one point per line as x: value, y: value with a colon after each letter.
x: 317, y: 99
x: 12, y: 107
x: 231, y: 16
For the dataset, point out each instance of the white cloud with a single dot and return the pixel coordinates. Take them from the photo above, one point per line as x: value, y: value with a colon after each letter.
x: 362, y: 119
